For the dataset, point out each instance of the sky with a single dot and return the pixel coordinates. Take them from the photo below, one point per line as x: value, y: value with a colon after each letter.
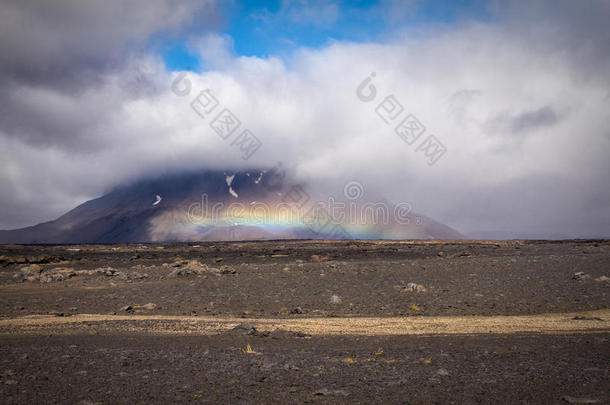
x: 513, y: 98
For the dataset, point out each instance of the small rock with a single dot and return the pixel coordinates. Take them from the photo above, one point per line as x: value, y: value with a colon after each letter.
x: 580, y: 275
x: 31, y: 270
x: 442, y: 371
x: 244, y: 329
x: 574, y: 400
x: 175, y: 273
x: 107, y: 271
x: 127, y: 308
x: 587, y: 318
x: 297, y: 310
x: 415, y: 287
x: 603, y: 279
x: 186, y: 268
x: 335, y: 299
x: 218, y: 259
x: 319, y: 259
x: 227, y: 270
x: 150, y: 306
x: 286, y: 334
x: 326, y: 392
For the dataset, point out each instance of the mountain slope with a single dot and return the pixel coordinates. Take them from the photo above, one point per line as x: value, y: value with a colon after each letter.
x: 216, y: 205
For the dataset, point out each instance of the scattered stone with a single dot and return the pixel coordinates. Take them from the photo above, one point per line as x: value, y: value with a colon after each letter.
x: 587, y: 318
x: 186, y: 268
x: 335, y: 299
x: 580, y: 276
x: 245, y: 329
x: 327, y: 392
x: 31, y: 270
x: 226, y: 270
x: 415, y: 287
x: 603, y: 279
x: 285, y: 334
x: 319, y: 259
x: 175, y: 273
x: 583, y: 400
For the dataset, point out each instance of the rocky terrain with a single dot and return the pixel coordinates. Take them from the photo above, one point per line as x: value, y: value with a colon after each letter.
x: 306, y: 321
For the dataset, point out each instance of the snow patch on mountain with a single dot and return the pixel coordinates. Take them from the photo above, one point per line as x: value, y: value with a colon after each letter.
x: 229, y: 180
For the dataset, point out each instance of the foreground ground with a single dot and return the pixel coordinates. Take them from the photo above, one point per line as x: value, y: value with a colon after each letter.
x: 306, y: 321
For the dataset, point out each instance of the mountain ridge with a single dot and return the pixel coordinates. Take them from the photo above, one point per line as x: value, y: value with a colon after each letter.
x: 261, y: 199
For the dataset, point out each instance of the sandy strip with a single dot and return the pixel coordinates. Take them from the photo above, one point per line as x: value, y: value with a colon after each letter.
x: 558, y: 323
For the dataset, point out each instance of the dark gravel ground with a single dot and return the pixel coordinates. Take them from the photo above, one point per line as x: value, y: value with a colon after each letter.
x: 215, y: 369
x: 273, y: 280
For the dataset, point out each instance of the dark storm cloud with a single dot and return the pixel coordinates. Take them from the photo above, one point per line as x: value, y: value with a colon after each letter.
x: 522, y: 123
x: 531, y: 120
x: 56, y: 58
x: 576, y: 28
x: 69, y: 43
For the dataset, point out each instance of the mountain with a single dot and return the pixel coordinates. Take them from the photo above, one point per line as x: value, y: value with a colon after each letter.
x: 217, y: 205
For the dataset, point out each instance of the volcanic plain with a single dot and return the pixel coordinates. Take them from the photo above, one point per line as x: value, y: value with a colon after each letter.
x: 310, y: 321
